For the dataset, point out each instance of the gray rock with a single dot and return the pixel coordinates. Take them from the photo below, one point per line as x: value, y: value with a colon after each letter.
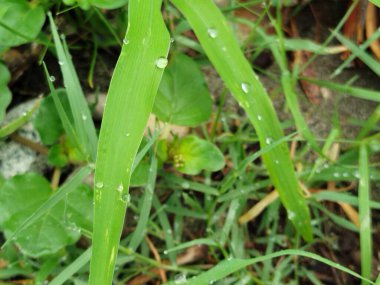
x: 16, y: 158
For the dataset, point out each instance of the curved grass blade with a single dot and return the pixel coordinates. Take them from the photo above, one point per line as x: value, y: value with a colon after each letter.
x: 129, y: 102
x: 228, y: 267
x: 220, y: 45
x: 84, y: 125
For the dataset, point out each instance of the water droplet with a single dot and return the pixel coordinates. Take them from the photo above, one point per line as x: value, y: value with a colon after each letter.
x: 224, y: 49
x: 84, y: 117
x: 52, y: 78
x: 180, y: 278
x: 245, y: 87
x: 268, y: 140
x: 211, y: 282
x: 126, y: 198
x: 120, y: 188
x: 336, y: 174
x: 277, y: 161
x: 185, y: 185
x: 259, y: 117
x: 127, y: 134
x: 291, y: 215
x: 60, y: 62
x: 162, y: 62
x: 165, y: 252
x: 99, y: 184
x: 172, y: 40
x: 212, y: 33
x: 125, y: 41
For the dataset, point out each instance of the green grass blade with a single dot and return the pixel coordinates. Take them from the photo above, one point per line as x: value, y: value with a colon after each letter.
x: 139, y: 232
x: 365, y: 215
x: 220, y: 45
x: 60, y: 194
x: 73, y: 268
x: 83, y: 123
x: 227, y: 267
x: 19, y: 122
x: 129, y: 102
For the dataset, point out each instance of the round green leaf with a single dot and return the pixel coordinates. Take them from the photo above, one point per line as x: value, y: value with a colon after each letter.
x: 21, y: 16
x: 58, y: 227
x: 6, y: 96
x: 183, y: 98
x: 191, y: 155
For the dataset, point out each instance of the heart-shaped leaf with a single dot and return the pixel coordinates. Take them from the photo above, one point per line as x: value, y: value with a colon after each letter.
x: 58, y: 227
x: 191, y: 155
x: 183, y: 98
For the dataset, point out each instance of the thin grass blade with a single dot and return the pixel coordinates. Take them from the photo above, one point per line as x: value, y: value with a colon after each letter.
x: 220, y: 45
x: 129, y: 102
x: 365, y: 214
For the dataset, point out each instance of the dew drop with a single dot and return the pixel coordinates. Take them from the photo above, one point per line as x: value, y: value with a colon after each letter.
x: 84, y: 117
x: 291, y: 215
x: 260, y: 118
x: 268, y: 140
x: 52, y: 78
x: 127, y: 134
x: 125, y: 41
x: 185, y: 185
x: 120, y: 188
x: 99, y: 184
x: 165, y: 252
x: 212, y: 33
x: 126, y: 198
x: 180, y: 278
x: 172, y: 40
x: 336, y: 174
x: 245, y: 87
x: 277, y: 161
x: 162, y: 62
x: 60, y: 62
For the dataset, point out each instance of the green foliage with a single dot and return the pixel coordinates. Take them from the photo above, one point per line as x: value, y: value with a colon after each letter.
x: 183, y: 98
x: 20, y: 20
x: 104, y: 4
x: 60, y: 226
x: 6, y: 95
x: 191, y: 155
x: 47, y: 121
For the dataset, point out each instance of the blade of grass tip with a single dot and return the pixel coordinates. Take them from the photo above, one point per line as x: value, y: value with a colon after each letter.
x: 73, y: 268
x: 139, y: 232
x: 13, y: 126
x: 230, y: 266
x: 130, y: 100
x: 60, y: 194
x: 365, y: 215
x: 83, y: 122
x: 221, y: 47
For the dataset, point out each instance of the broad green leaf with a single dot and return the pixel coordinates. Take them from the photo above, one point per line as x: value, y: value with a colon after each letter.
x: 183, y: 98
x: 130, y: 100
x: 20, y: 22
x: 221, y: 47
x: 22, y: 195
x: 5, y: 93
x: 47, y: 121
x: 191, y: 155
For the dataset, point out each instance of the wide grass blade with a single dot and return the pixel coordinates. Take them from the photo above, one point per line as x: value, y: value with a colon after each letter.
x: 220, y: 45
x: 129, y: 102
x: 365, y: 215
x: 83, y: 122
x: 227, y: 267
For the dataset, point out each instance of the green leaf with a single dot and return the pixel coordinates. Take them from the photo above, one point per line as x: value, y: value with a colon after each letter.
x: 57, y: 156
x: 183, y: 98
x: 104, y: 4
x: 47, y: 121
x: 20, y: 22
x: 6, y: 95
x: 376, y: 2
x: 140, y: 175
x: 191, y: 155
x: 22, y: 195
